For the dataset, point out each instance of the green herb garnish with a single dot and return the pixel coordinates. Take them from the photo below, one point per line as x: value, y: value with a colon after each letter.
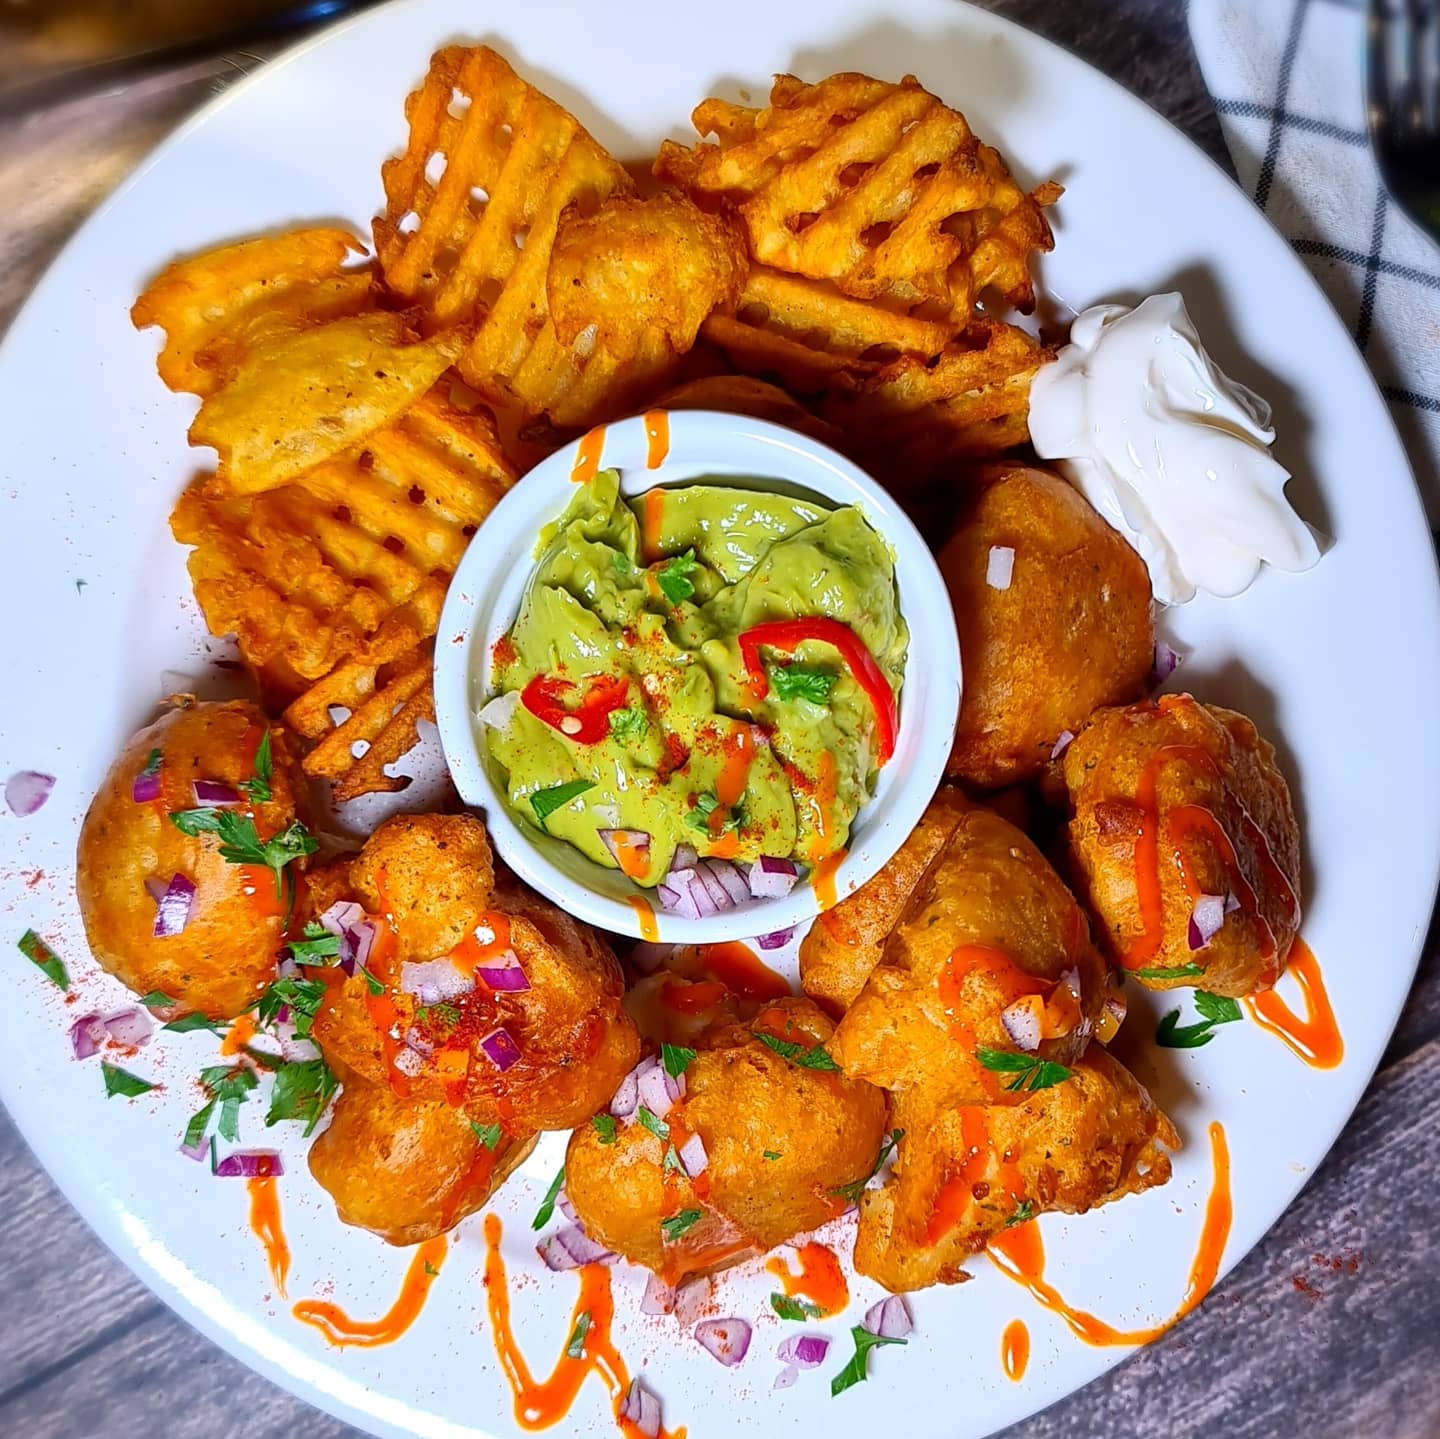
x: 318, y: 946
x: 303, y: 996
x: 1024, y: 1213
x: 189, y: 1023
x: 770, y: 1154
x: 122, y: 1082
x: 605, y: 1126
x: 546, y: 801
x: 676, y: 1059
x: 806, y: 1056
x: 679, y: 1224
x: 258, y: 785
x: 1028, y: 1072
x: 854, y: 1371
x: 1182, y: 971
x: 158, y: 999
x: 1214, y: 1009
x: 673, y: 577
x: 547, y: 1205
x: 431, y: 1270
x: 629, y: 723
x: 851, y: 1192
x: 649, y: 1120
x: 44, y: 959
x: 152, y: 765
x: 801, y: 682
x: 575, y: 1346
x: 240, y: 844
x: 621, y: 562
x: 670, y: 1161
x: 705, y: 806
x: 302, y: 1091
x: 442, y: 1013
x: 797, y: 1309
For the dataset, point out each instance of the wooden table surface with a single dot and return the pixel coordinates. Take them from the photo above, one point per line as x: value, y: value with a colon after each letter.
x: 1289, y: 1343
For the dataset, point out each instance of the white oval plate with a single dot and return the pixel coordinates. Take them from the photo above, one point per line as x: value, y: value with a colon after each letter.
x: 1339, y: 666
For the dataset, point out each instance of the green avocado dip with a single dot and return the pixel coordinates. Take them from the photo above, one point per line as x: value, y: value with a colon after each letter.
x: 708, y: 667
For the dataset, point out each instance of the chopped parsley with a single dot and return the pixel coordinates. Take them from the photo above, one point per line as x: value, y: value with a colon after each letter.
x: 806, y: 1056
x: 671, y: 1161
x: 546, y: 801
x: 673, y: 577
x: 851, y: 1192
x: 679, y: 1224
x: 547, y: 1205
x: 770, y: 1154
x: 797, y: 1309
x: 318, y: 946
x: 152, y: 764
x: 431, y: 1270
x: 621, y: 562
x: 239, y: 842
x: 158, y: 999
x: 575, y: 1345
x: 1024, y: 1213
x: 258, y: 785
x: 649, y: 1120
x: 487, y: 1134
x: 802, y: 682
x: 629, y: 723
x: 442, y: 1013
x: 122, y: 1082
x: 188, y: 1023
x: 44, y: 959
x: 1026, y: 1070
x: 302, y: 997
x: 605, y: 1126
x: 1182, y: 971
x: 676, y: 1059
x: 302, y: 1091
x: 228, y: 1086
x: 1214, y: 1009
x: 854, y: 1372
x: 705, y: 806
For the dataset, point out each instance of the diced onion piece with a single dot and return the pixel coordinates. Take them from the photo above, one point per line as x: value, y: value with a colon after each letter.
x: 999, y: 567
x: 642, y: 1409
x: 730, y: 879
x: 625, y: 843
x: 417, y: 1041
x: 570, y: 1248
x: 145, y: 787
x: 155, y: 888
x: 659, y: 1297
x: 409, y: 1062
x: 1022, y: 1022
x: 27, y: 790
x: 129, y: 1028
x: 500, y: 1049
x: 647, y: 956
x: 1111, y: 1017
x: 807, y: 1351
x: 786, y: 1377
x: 622, y: 1106
x: 682, y: 892
x: 693, y: 1156
x: 500, y: 711
x: 1062, y: 743
x: 250, y: 1164
x: 715, y: 892
x: 355, y: 946
x: 771, y: 877
x: 342, y: 915
x: 1206, y: 920
x: 685, y: 857
x: 776, y: 939
x: 504, y: 974
x: 172, y: 913
x: 654, y: 1089
x: 691, y: 1297
x: 563, y: 1204
x: 1167, y: 661
x: 890, y: 1318
x: 87, y: 1034
x: 211, y: 794
x: 727, y: 1340
x: 434, y: 981
x: 196, y: 1151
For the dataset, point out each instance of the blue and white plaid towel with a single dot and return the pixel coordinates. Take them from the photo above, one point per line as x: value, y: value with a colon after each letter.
x: 1287, y: 77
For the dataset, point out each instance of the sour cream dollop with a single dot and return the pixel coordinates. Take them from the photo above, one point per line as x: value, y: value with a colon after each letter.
x: 1169, y: 449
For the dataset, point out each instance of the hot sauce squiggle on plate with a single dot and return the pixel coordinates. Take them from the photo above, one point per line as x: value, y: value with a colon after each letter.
x: 1316, y: 1036
x: 343, y: 1331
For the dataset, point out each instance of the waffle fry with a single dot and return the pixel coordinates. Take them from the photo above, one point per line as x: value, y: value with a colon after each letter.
x: 879, y: 188
x: 743, y: 395
x: 217, y: 307
x: 352, y: 561
x: 473, y: 242
x: 386, y: 704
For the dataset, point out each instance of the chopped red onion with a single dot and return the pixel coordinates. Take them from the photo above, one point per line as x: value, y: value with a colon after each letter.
x: 647, y: 956
x: 635, y: 839
x: 286, y: 968
x: 691, y: 1297
x: 777, y: 938
x: 1118, y: 1007
x: 622, y: 1106
x: 355, y: 945
x: 1062, y: 743
x: 693, y: 1156
x: 654, y: 1087
x: 342, y: 915
x: 1231, y: 904
x: 434, y: 981
x: 786, y: 1377
x: 771, y: 877
x: 1071, y: 980
x: 805, y: 1350
x: 172, y: 913
x: 1167, y: 661
x: 498, y: 713
x: 196, y: 1151
x: 250, y: 1164
x: 417, y: 1041
x: 682, y: 892
x: 500, y: 1049
x: 409, y: 1062
x: 129, y: 1028
x: 890, y: 1318
x: 504, y: 974
x: 211, y: 794
x: 659, y: 1297
x: 27, y: 790
x: 999, y: 567
x: 685, y: 857
x: 570, y: 1248
x: 642, y: 1409
x: 727, y: 1340
x: 145, y: 787
x: 563, y: 1204
x: 717, y: 894
x: 155, y: 887
x: 87, y: 1034
x: 730, y: 879
x: 1206, y: 920
x: 1022, y: 1024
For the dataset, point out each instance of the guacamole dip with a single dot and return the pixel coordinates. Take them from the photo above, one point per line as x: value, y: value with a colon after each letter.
x: 709, y: 666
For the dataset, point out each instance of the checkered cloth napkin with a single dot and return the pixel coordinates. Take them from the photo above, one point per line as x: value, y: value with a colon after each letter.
x: 1287, y: 77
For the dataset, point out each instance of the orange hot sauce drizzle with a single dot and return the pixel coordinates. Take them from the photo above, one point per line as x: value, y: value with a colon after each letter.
x: 645, y: 913
x: 742, y: 971
x: 1019, y: 1253
x: 587, y: 456
x: 957, y: 1194
x: 343, y: 1331
x: 258, y: 883
x: 1316, y: 1037
x: 541, y: 1403
x: 819, y: 1279
x: 825, y: 860
x: 657, y: 437
x: 1015, y: 1350
x: 265, y: 1222
x: 241, y: 1032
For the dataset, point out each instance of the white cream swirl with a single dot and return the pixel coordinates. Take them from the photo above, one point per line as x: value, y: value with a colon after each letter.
x: 1170, y: 450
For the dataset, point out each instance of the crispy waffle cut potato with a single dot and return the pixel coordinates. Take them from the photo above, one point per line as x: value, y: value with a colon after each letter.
x: 962, y: 1174
x: 1174, y: 800
x: 490, y: 997
x: 992, y: 953
x: 404, y: 1170
x: 744, y: 395
x: 744, y: 1101
x: 216, y: 308
x: 474, y: 203
x: 877, y: 187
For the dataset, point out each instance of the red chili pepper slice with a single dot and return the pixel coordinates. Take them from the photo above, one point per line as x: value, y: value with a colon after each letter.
x: 589, y: 722
x: 787, y: 635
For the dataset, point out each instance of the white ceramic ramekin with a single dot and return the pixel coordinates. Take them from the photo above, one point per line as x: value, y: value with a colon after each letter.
x: 485, y: 596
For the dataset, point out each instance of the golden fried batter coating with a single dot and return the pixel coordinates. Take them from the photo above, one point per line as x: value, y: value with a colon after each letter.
x: 542, y: 1057
x: 844, y: 945
x: 992, y: 930
x: 1173, y: 800
x: 961, y: 1174
x: 746, y: 1101
x: 1070, y: 631
x: 407, y: 1170
x: 225, y: 955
